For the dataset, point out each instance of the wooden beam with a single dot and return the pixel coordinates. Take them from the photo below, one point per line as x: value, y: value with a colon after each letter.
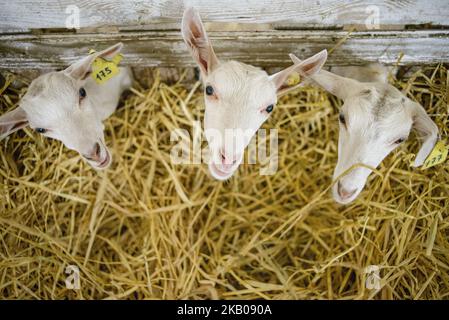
x: 265, y: 48
x: 148, y: 14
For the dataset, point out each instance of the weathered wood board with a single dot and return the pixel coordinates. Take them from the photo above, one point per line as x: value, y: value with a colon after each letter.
x: 268, y: 48
x: 35, y: 14
x: 33, y: 33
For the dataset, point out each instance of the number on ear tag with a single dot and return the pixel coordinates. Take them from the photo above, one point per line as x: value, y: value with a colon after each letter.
x: 103, y: 70
x: 436, y: 156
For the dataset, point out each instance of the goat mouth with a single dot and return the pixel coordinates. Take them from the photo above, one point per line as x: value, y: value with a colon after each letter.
x: 220, y: 174
x: 103, y: 164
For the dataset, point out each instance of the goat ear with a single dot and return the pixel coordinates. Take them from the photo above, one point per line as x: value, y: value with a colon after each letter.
x: 80, y: 70
x: 306, y: 68
x: 340, y: 87
x: 12, y: 121
x: 427, y: 129
x: 198, y: 43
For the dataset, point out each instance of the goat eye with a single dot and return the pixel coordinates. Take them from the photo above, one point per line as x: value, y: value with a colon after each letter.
x: 41, y: 130
x: 399, y: 141
x: 82, y: 93
x: 269, y: 108
x: 209, y: 90
x: 342, y: 119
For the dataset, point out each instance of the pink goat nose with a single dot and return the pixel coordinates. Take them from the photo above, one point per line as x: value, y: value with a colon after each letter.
x: 227, y: 160
x: 95, y: 154
x: 344, y: 193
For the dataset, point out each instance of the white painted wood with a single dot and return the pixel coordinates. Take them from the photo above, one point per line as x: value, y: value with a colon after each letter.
x: 265, y: 48
x: 32, y: 14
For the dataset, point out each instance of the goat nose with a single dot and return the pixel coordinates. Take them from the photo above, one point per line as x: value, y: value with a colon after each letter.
x: 226, y: 159
x: 95, y: 155
x: 344, y: 193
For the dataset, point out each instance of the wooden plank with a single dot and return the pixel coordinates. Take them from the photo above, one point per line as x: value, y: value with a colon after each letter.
x: 35, y: 14
x: 265, y: 48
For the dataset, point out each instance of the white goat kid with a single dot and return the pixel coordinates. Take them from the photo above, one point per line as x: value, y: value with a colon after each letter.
x: 70, y: 106
x: 374, y: 120
x: 238, y: 97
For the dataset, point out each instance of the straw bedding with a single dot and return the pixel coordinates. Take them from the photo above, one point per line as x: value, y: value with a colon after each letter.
x: 147, y: 228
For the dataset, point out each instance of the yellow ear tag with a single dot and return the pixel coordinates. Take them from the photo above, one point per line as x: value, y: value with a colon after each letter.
x: 103, y: 70
x: 436, y: 156
x: 293, y: 79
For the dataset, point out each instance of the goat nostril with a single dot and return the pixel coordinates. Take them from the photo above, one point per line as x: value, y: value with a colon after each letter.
x: 224, y: 159
x: 97, y: 149
x: 96, y: 153
x: 345, y: 194
x: 228, y: 159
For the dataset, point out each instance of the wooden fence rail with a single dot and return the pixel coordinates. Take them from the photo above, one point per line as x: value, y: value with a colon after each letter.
x: 34, y: 34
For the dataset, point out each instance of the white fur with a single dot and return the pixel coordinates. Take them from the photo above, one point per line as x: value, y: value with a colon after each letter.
x: 241, y: 95
x: 376, y: 115
x: 52, y: 102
